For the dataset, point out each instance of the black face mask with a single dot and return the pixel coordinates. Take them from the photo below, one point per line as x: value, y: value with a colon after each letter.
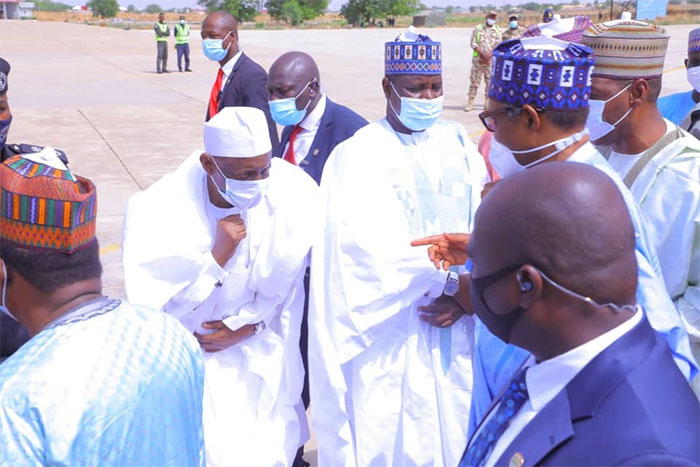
x: 500, y: 325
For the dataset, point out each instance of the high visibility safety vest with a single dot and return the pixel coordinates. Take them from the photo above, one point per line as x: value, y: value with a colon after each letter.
x: 182, y: 33
x: 163, y: 29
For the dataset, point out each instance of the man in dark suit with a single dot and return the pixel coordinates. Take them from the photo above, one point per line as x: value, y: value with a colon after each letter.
x: 313, y: 124
x: 240, y: 82
x: 554, y: 272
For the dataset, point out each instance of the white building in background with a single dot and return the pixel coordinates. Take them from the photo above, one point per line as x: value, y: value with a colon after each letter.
x: 16, y: 9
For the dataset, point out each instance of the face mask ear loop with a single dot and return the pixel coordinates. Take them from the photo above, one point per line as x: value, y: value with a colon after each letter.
x: 4, y: 285
x: 391, y: 106
x: 220, y: 172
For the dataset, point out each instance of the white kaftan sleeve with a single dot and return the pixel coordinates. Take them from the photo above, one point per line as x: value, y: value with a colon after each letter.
x: 21, y: 443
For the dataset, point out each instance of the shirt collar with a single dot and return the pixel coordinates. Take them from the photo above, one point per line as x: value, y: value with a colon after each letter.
x: 228, y: 67
x: 546, y: 379
x: 313, y: 120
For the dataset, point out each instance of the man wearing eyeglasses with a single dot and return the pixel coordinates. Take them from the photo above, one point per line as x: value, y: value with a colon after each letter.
x: 538, y: 105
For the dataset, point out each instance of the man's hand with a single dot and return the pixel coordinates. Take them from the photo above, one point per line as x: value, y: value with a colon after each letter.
x: 446, y: 249
x: 223, y: 337
x: 229, y: 232
x: 442, y: 313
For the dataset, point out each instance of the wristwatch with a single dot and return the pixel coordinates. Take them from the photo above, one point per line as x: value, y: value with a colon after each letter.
x: 452, y: 284
x: 259, y: 327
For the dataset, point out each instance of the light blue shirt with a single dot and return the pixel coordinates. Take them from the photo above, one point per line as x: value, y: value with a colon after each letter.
x: 106, y: 384
x: 496, y: 362
x: 676, y: 106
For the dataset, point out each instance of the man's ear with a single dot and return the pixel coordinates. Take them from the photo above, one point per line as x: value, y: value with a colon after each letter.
x: 533, y: 119
x: 639, y: 92
x: 386, y: 87
x: 531, y: 285
x: 207, y: 163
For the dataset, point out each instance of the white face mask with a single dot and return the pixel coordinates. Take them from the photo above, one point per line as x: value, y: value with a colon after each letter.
x: 490, y: 21
x: 597, y: 127
x: 243, y: 194
x: 694, y: 77
x: 504, y: 161
x: 3, y: 297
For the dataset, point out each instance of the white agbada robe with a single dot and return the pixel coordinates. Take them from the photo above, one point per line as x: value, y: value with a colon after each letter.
x: 388, y: 389
x: 253, y: 413
x: 668, y: 193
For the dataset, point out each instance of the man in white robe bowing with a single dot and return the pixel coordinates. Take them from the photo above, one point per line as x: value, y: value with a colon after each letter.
x: 222, y: 243
x: 390, y: 349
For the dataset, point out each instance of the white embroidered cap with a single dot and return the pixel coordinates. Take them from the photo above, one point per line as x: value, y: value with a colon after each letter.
x: 237, y: 132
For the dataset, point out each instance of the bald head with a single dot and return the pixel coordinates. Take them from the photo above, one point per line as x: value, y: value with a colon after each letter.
x: 295, y: 74
x: 221, y: 19
x: 570, y: 222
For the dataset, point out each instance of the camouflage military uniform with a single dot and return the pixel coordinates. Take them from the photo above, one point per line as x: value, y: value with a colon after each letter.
x: 487, y: 38
x: 511, y: 33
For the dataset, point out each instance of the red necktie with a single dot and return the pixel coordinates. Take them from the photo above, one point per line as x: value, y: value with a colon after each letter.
x: 214, y: 96
x: 289, y: 155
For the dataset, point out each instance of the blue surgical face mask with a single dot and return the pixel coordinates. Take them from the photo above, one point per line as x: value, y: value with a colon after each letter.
x: 243, y: 194
x: 214, y: 48
x: 595, y: 123
x: 503, y: 159
x: 4, y: 128
x: 513, y: 24
x: 3, y: 297
x: 417, y: 114
x: 285, y: 112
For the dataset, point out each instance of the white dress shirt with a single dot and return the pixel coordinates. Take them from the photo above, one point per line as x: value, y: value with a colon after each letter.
x: 228, y: 67
x: 305, y: 138
x: 546, y: 379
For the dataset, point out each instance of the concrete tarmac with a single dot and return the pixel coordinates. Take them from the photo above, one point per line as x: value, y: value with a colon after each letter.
x: 93, y: 92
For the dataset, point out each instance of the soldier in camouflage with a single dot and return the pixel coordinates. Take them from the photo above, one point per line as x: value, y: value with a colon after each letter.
x: 514, y: 31
x: 485, y: 38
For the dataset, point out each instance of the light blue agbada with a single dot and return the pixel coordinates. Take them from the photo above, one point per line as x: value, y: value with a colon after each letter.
x: 496, y: 362
x: 676, y: 107
x: 107, y: 384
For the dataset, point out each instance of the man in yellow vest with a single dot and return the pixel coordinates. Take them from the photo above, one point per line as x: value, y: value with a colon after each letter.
x: 182, y: 43
x: 162, y: 32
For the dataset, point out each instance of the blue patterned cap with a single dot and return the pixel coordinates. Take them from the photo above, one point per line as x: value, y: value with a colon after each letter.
x: 412, y: 54
x: 694, y: 41
x: 543, y: 72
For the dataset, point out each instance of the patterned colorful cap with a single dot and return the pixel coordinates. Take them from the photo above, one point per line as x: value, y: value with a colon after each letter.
x: 627, y: 49
x: 694, y: 41
x: 43, y: 206
x: 543, y: 72
x: 412, y: 54
x: 568, y: 29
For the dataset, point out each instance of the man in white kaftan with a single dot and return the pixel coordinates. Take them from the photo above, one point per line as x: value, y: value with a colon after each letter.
x: 390, y: 381
x: 658, y: 161
x: 252, y: 294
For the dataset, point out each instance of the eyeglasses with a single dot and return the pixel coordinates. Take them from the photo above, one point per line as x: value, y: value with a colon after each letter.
x: 487, y: 117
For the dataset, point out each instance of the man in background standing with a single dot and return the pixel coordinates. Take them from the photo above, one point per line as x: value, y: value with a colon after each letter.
x: 514, y: 31
x: 162, y: 31
x: 485, y: 38
x: 240, y: 82
x: 683, y: 108
x: 182, y: 43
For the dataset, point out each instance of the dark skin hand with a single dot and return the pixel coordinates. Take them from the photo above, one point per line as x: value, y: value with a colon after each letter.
x: 442, y: 313
x: 447, y: 249
x: 223, y: 337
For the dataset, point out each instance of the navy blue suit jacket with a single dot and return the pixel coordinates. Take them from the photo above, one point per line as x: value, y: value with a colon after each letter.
x: 338, y: 123
x: 246, y: 86
x: 629, y: 405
